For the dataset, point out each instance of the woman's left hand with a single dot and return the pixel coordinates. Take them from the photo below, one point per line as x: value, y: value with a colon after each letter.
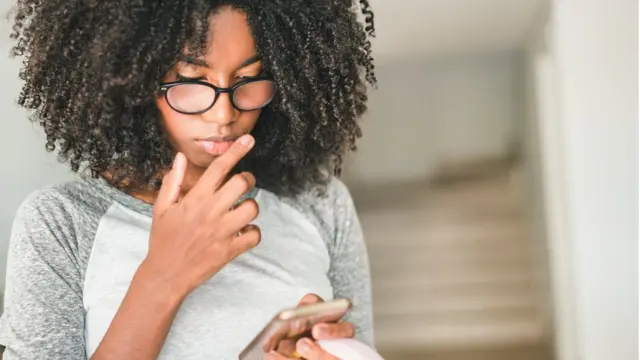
x: 327, y: 331
x: 307, y: 347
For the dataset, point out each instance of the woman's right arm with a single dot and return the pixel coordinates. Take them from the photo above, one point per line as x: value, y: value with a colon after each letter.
x: 142, y: 322
x: 191, y: 239
x: 43, y: 310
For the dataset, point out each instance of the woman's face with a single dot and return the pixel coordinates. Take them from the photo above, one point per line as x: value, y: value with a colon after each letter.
x: 230, y: 57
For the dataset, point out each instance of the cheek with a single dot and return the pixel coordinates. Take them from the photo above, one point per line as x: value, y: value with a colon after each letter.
x: 248, y: 120
x: 173, y: 121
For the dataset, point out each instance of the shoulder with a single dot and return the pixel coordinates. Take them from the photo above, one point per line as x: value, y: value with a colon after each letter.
x: 65, y: 213
x: 331, y: 209
x: 61, y: 201
x: 46, y: 260
x: 334, y: 197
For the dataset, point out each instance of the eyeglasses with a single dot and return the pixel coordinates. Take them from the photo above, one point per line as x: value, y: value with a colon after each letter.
x: 193, y: 97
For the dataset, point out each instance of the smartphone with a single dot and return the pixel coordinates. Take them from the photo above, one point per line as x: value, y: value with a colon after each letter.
x: 293, y: 323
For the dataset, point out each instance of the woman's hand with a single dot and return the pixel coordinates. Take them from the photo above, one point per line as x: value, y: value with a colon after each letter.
x: 306, y: 346
x: 327, y: 331
x: 193, y: 237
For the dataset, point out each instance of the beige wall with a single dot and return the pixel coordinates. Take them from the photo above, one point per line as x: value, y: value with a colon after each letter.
x: 426, y: 113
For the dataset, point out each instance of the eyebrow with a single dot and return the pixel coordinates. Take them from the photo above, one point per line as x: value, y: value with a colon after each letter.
x: 200, y: 62
x: 193, y: 61
x: 252, y: 60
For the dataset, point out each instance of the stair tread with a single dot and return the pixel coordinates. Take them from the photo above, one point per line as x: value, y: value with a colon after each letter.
x: 394, y: 336
x: 399, y: 305
x: 451, y: 264
x: 389, y: 281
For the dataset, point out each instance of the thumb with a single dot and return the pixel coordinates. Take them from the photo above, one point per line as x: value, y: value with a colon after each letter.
x: 171, y: 185
x: 311, y: 350
x: 309, y: 299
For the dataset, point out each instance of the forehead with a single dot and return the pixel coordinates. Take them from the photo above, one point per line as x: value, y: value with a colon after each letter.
x: 229, y: 41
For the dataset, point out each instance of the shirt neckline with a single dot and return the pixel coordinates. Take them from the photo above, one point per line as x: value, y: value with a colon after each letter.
x: 134, y: 203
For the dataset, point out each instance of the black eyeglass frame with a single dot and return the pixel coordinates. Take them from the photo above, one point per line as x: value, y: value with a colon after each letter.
x: 165, y: 87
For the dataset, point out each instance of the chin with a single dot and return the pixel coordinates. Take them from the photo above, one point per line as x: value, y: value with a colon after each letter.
x: 201, y: 160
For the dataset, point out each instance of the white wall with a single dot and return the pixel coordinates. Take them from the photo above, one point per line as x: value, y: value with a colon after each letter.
x: 425, y: 113
x: 588, y: 123
x: 545, y: 174
x: 26, y: 165
x: 596, y: 45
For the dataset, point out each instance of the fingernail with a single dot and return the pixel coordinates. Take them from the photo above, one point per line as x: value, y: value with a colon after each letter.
x: 246, y: 140
x: 303, y: 346
x: 175, y: 160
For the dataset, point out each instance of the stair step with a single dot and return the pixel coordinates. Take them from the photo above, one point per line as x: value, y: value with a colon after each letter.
x: 398, y: 260
x: 425, y: 274
x: 387, y: 304
x: 447, y: 239
x: 451, y: 264
x: 488, y: 194
x: 393, y: 292
x: 409, y: 231
x: 396, y: 335
x: 389, y: 281
x: 464, y: 317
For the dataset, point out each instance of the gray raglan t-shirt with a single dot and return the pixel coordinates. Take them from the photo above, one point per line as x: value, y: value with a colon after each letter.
x: 75, y: 247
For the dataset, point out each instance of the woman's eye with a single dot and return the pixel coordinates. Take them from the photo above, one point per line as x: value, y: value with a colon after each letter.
x: 246, y: 77
x: 188, y: 78
x: 249, y: 75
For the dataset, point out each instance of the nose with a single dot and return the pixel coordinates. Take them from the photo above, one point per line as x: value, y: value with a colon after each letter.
x: 222, y: 113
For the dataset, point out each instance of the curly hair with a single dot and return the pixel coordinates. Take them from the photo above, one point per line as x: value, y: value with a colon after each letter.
x: 92, y: 68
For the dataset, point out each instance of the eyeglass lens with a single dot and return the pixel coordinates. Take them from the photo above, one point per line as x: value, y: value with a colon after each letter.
x: 193, y: 97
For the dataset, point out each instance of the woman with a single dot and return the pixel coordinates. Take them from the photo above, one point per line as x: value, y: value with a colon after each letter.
x: 186, y: 118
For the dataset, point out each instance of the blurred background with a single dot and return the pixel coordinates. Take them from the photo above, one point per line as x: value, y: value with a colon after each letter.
x: 497, y: 179
x: 496, y: 182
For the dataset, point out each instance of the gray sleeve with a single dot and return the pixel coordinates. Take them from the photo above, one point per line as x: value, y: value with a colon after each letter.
x: 43, y: 313
x: 349, y: 271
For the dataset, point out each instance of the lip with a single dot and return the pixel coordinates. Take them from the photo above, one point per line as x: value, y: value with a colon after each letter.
x: 219, y: 138
x: 216, y: 145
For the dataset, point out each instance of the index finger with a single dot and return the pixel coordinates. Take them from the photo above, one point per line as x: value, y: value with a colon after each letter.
x: 217, y: 172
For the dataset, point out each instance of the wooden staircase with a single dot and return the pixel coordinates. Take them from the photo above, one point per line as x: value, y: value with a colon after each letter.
x: 452, y: 264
